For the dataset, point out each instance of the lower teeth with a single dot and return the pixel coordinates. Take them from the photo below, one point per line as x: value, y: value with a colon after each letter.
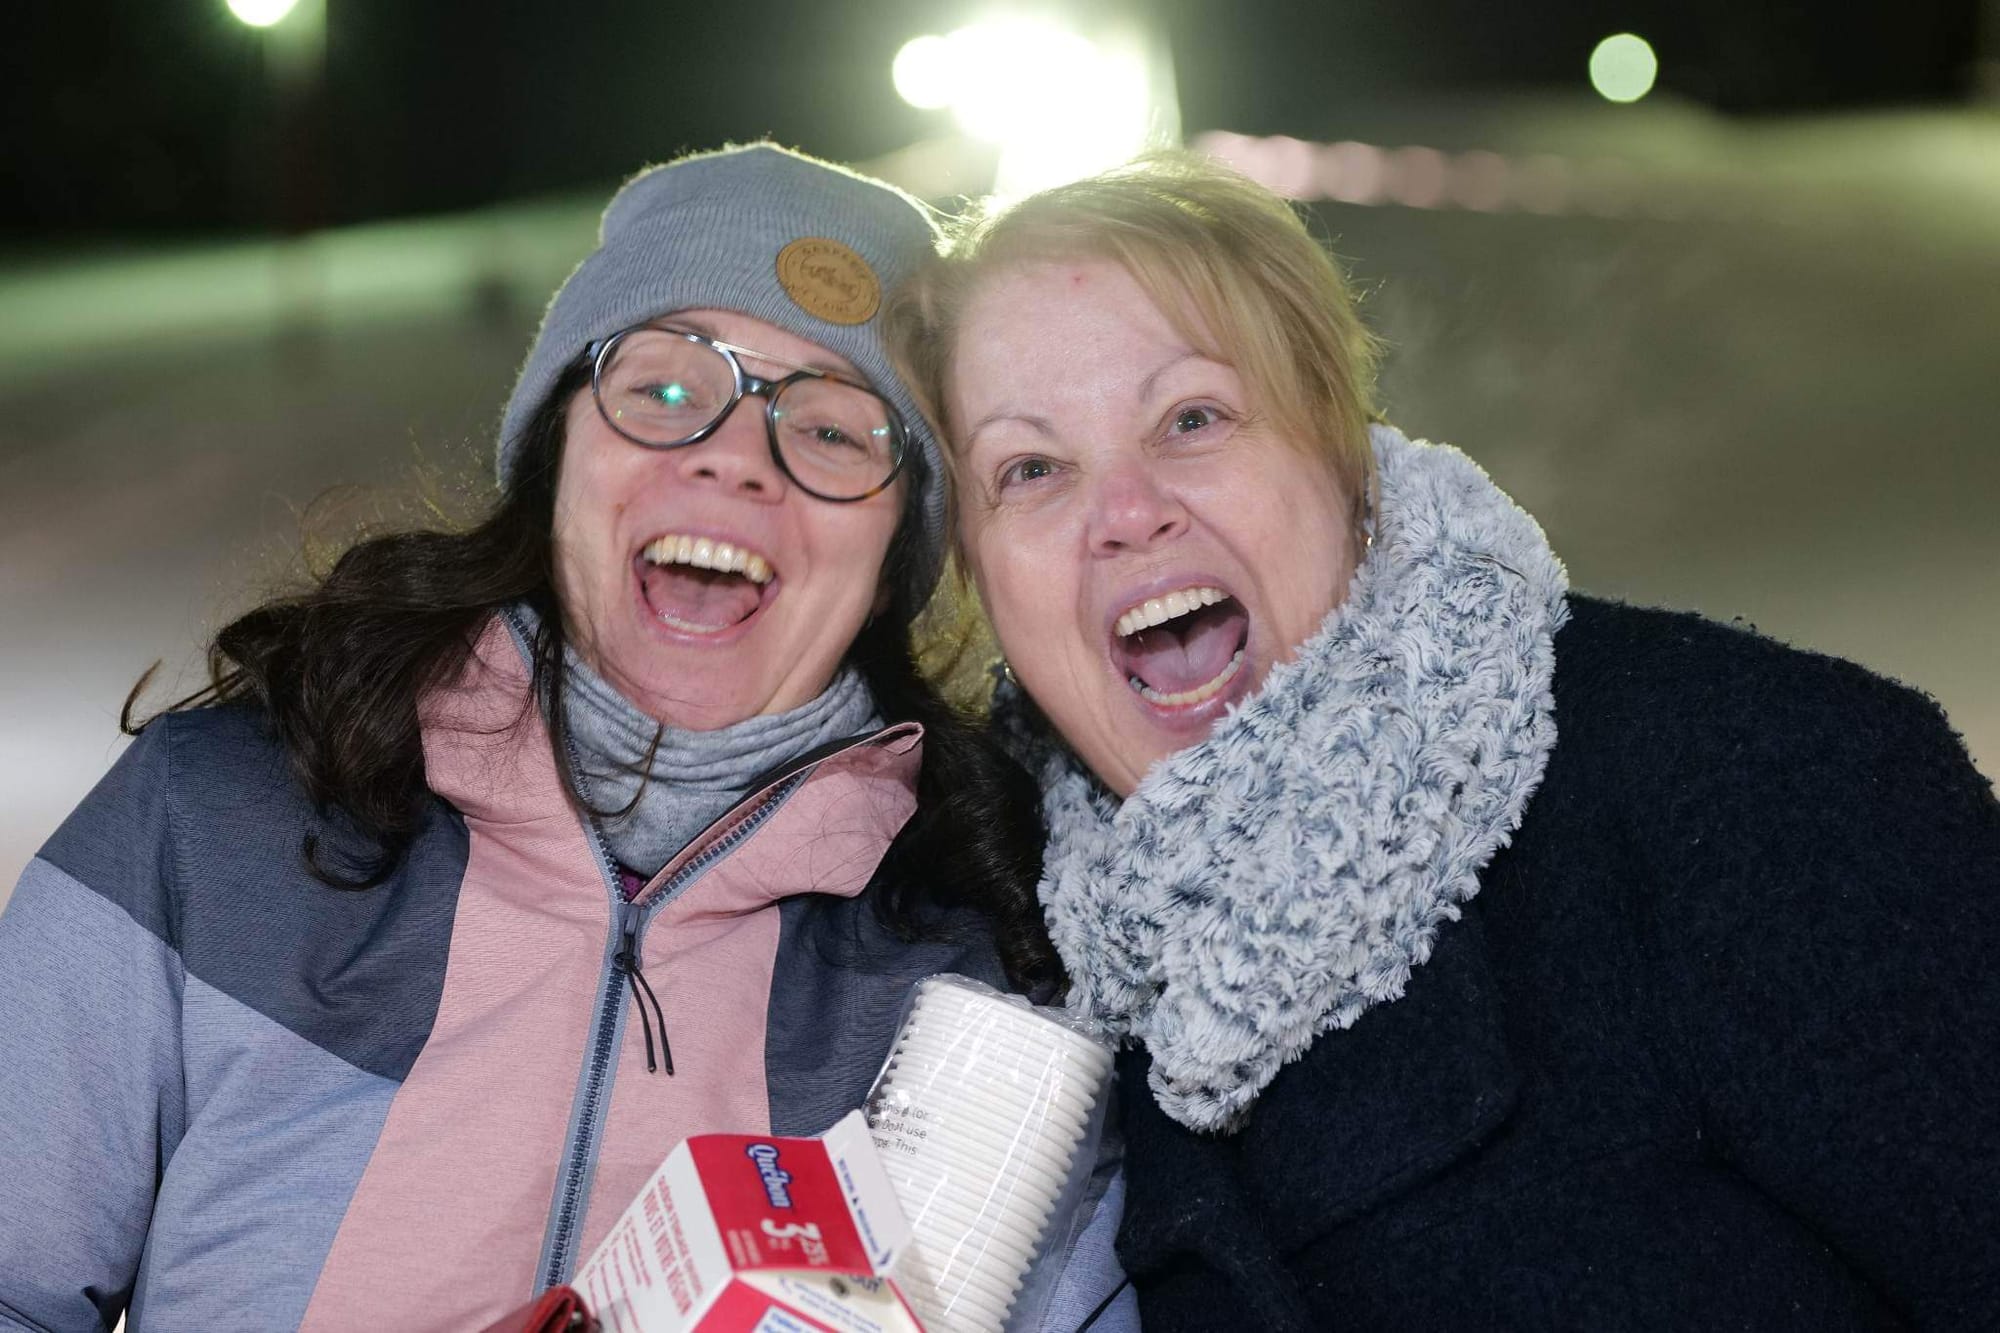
x: 1193, y: 696
x: 668, y: 618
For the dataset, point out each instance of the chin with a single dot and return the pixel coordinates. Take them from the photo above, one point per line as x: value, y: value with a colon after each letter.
x: 1151, y: 731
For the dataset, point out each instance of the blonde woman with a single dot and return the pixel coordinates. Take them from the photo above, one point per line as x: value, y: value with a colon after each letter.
x: 1489, y: 955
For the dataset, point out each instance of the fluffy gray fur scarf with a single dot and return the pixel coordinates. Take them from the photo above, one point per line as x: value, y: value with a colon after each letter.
x: 1281, y: 877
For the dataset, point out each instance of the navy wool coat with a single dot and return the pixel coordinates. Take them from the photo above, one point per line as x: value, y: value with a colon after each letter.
x: 1717, y: 1046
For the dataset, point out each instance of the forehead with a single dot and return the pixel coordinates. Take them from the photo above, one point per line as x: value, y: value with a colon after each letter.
x: 1079, y: 335
x: 733, y: 326
x: 1043, y: 317
x: 1098, y: 292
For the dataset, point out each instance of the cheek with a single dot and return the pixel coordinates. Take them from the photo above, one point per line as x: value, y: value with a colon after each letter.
x: 576, y: 590
x: 1318, y: 542
x: 997, y: 577
x: 608, y: 481
x: 589, y: 498
x: 848, y: 551
x: 566, y: 532
x: 1031, y: 606
x: 871, y: 533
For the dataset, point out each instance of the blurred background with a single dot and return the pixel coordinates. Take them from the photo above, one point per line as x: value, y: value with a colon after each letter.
x: 1711, y: 286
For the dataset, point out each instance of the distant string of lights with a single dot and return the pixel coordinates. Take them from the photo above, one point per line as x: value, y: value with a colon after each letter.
x: 1478, y: 180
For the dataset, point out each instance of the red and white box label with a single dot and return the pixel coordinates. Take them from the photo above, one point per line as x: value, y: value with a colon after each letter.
x: 739, y: 1232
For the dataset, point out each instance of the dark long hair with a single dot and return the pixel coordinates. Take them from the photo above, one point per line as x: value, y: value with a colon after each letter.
x: 338, y: 670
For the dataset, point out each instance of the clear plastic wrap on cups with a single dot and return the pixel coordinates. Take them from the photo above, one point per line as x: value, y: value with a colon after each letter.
x: 987, y: 1116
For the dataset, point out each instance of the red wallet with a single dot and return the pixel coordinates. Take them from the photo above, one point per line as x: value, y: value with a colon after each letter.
x: 557, y: 1310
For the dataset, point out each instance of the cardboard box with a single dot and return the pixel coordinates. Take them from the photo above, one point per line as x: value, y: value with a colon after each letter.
x: 740, y: 1232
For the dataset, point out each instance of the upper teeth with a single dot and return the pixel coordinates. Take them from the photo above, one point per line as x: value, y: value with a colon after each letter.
x: 1158, y: 610
x: 702, y: 553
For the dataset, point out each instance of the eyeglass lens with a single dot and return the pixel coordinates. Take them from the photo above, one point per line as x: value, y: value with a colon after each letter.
x: 663, y: 389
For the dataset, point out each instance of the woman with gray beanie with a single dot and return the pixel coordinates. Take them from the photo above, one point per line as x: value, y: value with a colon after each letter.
x: 373, y: 981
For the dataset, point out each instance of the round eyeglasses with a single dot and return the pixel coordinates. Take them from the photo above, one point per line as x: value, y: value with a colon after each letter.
x: 667, y: 388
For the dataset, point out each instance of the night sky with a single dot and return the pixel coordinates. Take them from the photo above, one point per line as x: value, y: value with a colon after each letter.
x: 153, y: 117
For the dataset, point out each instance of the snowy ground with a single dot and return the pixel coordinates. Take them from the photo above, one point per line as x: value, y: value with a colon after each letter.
x: 1780, y: 410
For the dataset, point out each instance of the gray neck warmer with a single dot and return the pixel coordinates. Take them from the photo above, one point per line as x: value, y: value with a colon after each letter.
x: 1281, y: 877
x: 694, y: 776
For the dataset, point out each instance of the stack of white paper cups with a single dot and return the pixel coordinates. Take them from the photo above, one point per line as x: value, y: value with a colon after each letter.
x: 980, y: 1116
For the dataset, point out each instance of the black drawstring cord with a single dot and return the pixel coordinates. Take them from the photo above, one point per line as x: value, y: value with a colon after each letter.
x: 630, y: 963
x: 1102, y: 1306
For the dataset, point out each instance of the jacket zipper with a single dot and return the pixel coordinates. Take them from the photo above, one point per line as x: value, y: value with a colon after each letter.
x: 630, y: 921
x: 642, y: 991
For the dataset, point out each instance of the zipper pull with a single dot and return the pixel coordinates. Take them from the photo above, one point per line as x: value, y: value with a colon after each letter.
x: 627, y: 961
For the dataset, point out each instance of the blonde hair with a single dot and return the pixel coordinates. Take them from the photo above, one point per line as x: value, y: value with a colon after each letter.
x: 1229, y: 263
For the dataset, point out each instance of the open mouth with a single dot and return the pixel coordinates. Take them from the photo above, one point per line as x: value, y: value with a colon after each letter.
x: 1181, y: 649
x: 702, y: 586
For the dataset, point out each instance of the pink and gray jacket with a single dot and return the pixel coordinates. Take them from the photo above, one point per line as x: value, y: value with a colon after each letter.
x: 232, y: 1097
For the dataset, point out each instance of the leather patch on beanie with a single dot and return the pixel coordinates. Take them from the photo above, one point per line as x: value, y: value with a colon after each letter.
x: 829, y: 281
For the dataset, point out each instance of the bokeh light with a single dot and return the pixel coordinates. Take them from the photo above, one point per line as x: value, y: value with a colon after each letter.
x: 1418, y: 177
x: 1057, y: 104
x: 1623, y: 68
x: 925, y: 72
x: 1354, y: 173
x: 1020, y: 77
x: 262, y: 13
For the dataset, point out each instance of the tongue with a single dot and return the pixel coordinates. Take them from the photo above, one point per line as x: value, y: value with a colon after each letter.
x: 1181, y: 654
x: 699, y: 596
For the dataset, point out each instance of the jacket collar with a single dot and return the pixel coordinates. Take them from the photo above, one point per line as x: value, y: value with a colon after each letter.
x: 488, y: 753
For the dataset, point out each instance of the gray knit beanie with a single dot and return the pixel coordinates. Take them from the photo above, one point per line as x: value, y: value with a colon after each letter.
x: 803, y: 244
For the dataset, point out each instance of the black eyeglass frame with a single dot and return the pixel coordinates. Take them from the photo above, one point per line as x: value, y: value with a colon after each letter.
x: 598, y: 355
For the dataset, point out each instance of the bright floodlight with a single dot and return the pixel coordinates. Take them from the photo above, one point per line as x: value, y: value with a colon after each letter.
x: 1057, y: 104
x: 261, y: 13
x: 925, y: 72
x: 1017, y: 77
x: 1623, y: 68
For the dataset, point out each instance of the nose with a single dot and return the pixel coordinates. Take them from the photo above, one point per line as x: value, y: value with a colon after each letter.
x: 1133, y: 510
x: 737, y: 456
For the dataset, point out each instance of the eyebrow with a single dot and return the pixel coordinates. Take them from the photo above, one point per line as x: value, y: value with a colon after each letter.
x: 1039, y: 424
x: 1147, y: 384
x: 1043, y: 425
